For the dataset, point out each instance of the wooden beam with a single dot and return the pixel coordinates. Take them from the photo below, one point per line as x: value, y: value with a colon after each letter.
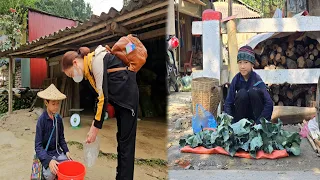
x: 292, y: 114
x: 101, y: 39
x: 200, y: 2
x: 149, y: 25
x: 99, y: 33
x: 152, y: 34
x: 116, y: 28
x: 291, y: 76
x: 171, y: 29
x: 142, y: 18
x: 10, y: 98
x: 274, y: 25
x: 141, y: 11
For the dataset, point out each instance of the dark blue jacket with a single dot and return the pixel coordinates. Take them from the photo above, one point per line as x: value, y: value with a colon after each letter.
x: 43, y: 131
x: 238, y: 82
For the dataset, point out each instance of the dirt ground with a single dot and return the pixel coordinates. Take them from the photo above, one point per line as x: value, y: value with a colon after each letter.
x: 17, y: 147
x: 179, y: 107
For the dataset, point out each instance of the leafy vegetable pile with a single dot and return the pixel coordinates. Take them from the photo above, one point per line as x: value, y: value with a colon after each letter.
x: 244, y: 135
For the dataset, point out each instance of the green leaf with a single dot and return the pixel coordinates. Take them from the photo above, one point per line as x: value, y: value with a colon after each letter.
x: 241, y: 127
x: 294, y: 149
x: 196, y: 141
x: 245, y: 146
x: 225, y: 135
x: 214, y: 136
x: 182, y: 142
x: 256, y: 143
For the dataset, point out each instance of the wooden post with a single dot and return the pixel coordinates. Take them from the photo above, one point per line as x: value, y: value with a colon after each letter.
x: 232, y: 44
x: 229, y: 8
x: 171, y: 29
x: 179, y: 37
x: 10, y: 101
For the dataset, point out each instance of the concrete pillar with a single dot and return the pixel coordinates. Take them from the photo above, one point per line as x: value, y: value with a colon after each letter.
x: 10, y: 98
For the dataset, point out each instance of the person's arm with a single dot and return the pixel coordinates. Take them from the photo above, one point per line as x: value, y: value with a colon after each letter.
x: 268, y: 104
x: 62, y: 141
x: 102, y: 88
x: 229, y: 103
x: 40, y: 151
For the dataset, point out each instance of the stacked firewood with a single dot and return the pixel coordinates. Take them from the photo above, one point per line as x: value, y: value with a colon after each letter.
x: 293, y: 95
x: 288, y: 54
x: 197, y: 58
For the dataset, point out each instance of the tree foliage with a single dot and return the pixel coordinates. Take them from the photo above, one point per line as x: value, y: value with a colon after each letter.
x: 10, y: 27
x: 265, y: 7
x: 74, y: 9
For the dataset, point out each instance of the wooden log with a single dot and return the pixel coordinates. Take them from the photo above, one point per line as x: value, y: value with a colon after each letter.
x: 275, y: 89
x: 280, y: 103
x: 275, y: 47
x: 283, y: 90
x: 278, y: 58
x: 318, y: 47
x: 272, y: 55
x: 284, y: 46
x: 317, y: 142
x: 301, y: 62
x: 291, y: 64
x: 279, y: 49
x: 311, y: 57
x: 283, y: 60
x: 300, y: 49
x: 289, y: 94
x: 297, y: 92
x: 299, y: 102
x: 264, y: 61
x: 317, y: 62
x: 306, y: 55
x: 280, y: 67
x: 257, y: 64
x: 290, y: 44
x: 315, y: 52
x: 276, y: 98
x: 290, y: 54
x: 292, y: 114
x: 288, y: 102
x: 311, y: 46
x: 271, y: 67
x: 309, y: 63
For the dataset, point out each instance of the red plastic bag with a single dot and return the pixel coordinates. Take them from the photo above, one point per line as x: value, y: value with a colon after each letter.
x: 276, y: 154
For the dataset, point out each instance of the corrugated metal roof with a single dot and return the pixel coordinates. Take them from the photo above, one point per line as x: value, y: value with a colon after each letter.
x: 137, y: 13
x: 241, y: 11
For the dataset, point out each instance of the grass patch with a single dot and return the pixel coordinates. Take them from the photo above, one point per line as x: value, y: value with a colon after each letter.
x: 75, y: 143
x: 113, y: 156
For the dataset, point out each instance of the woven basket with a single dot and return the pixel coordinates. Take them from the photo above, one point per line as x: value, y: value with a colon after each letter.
x: 205, y: 91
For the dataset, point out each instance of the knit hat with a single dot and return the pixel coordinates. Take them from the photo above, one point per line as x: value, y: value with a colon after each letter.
x: 51, y: 93
x: 246, y: 53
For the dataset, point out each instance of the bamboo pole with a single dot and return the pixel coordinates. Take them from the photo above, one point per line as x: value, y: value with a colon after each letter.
x: 232, y: 44
x: 179, y: 37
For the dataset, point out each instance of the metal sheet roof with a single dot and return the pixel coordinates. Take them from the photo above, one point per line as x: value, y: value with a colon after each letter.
x: 241, y: 11
x: 139, y: 17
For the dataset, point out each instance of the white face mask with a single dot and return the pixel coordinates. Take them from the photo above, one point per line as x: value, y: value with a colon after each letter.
x: 77, y: 75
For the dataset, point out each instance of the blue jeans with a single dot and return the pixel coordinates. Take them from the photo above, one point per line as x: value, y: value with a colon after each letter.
x: 47, y: 174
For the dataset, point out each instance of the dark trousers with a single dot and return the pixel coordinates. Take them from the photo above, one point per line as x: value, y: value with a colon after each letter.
x: 248, y: 104
x: 126, y: 137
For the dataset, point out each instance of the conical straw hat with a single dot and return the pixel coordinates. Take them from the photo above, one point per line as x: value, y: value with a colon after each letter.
x: 51, y: 93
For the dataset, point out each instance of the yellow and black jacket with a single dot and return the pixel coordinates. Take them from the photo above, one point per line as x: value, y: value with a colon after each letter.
x: 118, y: 87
